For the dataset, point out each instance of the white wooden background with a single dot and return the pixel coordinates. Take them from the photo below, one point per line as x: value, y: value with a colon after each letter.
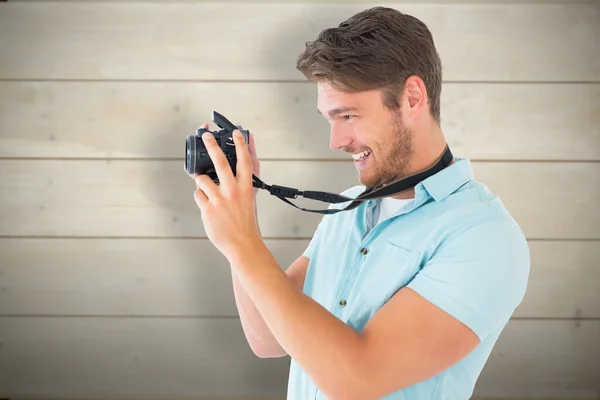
x: 108, y: 287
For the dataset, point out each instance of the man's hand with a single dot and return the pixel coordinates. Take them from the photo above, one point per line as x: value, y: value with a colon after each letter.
x: 253, y: 155
x: 228, y: 209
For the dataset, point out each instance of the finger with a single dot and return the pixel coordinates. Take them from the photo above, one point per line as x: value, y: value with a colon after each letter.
x: 200, y: 198
x: 244, y: 160
x: 207, y: 186
x: 254, y: 156
x: 204, y: 126
x: 222, y: 168
x: 252, y: 146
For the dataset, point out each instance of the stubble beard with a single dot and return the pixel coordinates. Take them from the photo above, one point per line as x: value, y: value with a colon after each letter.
x: 393, y: 158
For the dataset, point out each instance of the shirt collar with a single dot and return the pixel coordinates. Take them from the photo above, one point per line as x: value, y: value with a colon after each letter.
x: 438, y: 186
x: 448, y: 180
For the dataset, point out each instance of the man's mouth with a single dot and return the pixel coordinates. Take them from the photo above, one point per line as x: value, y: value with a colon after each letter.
x: 361, y: 156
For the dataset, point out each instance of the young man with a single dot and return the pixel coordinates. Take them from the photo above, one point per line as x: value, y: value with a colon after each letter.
x: 400, y: 298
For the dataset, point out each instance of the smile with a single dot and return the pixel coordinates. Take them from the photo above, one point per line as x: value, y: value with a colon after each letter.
x: 361, y: 155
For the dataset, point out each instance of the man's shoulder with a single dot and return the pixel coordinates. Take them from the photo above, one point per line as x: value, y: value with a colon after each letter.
x: 472, y: 204
x: 473, y: 214
x: 482, y: 220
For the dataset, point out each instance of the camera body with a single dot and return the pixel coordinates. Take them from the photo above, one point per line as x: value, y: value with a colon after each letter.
x: 197, y: 160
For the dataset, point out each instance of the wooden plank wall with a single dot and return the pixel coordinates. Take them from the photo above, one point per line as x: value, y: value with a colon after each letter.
x: 108, y: 287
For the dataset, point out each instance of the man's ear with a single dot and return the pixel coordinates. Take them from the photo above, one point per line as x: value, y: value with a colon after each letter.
x: 415, y: 97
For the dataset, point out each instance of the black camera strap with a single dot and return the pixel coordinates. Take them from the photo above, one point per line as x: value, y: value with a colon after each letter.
x: 407, y: 183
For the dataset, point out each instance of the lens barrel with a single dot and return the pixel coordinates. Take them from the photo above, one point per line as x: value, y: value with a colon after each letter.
x: 191, y: 161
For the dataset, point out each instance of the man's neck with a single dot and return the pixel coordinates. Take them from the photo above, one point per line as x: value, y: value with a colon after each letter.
x: 428, y: 148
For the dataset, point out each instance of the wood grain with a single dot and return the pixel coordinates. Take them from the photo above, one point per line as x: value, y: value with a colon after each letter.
x: 154, y: 198
x: 173, y: 357
x: 196, y: 41
x: 556, y: 358
x: 108, y: 287
x: 189, y: 277
x: 158, y: 358
x: 151, y: 119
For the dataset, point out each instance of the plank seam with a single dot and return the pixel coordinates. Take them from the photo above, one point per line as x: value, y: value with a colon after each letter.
x: 161, y: 316
x: 71, y: 237
x: 175, y: 80
x: 349, y: 161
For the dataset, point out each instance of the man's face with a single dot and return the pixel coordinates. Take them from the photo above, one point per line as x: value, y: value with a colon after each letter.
x: 362, y: 126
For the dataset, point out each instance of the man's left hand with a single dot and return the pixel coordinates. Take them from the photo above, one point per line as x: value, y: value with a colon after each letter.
x: 227, y: 208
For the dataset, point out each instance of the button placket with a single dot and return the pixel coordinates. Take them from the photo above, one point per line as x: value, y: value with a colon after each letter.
x: 342, y: 301
x: 343, y: 293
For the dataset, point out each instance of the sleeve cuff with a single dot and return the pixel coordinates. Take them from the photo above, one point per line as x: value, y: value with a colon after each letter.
x: 452, y: 306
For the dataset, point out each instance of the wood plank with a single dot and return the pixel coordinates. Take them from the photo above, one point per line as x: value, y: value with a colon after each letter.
x: 555, y: 358
x: 563, y: 280
x: 154, y: 198
x: 486, y: 42
x: 545, y: 198
x: 151, y: 119
x: 157, y: 358
x: 121, y: 276
x: 150, y: 277
x: 154, y: 358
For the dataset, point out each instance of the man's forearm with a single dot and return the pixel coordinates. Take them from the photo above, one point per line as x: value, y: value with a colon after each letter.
x: 259, y: 337
x: 256, y: 214
x: 330, y: 351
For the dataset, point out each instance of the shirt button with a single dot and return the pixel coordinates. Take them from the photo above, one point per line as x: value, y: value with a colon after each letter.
x: 364, y: 251
x: 343, y: 303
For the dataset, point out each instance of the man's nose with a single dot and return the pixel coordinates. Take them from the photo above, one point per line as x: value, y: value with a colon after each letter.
x: 339, y: 137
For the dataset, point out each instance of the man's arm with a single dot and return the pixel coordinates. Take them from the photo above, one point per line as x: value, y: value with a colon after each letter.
x: 408, y: 340
x: 431, y: 341
x: 259, y: 337
x: 471, y: 286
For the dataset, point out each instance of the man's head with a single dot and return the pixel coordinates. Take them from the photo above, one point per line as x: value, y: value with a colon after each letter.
x: 379, y: 84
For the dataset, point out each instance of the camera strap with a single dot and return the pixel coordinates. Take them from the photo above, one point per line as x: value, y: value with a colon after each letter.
x: 407, y: 183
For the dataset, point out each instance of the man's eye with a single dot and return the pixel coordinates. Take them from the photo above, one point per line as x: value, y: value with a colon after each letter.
x: 348, y: 116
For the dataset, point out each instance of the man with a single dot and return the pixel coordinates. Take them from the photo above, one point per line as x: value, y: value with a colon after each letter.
x: 400, y: 298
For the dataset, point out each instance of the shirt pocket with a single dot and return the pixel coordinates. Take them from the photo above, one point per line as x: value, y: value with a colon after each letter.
x: 387, y: 268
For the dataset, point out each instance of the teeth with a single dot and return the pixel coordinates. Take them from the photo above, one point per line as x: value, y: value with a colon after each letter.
x: 361, y: 155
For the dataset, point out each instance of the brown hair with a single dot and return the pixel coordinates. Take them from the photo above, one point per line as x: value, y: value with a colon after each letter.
x: 378, y: 48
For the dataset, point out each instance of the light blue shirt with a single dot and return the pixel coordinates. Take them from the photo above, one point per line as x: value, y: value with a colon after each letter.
x: 455, y: 244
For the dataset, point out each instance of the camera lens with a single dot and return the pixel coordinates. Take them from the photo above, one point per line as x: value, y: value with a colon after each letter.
x: 190, y: 155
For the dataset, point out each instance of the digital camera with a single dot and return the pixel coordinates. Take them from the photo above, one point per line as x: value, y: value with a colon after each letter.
x: 197, y: 160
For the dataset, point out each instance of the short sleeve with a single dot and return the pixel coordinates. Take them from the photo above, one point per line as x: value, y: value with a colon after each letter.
x: 314, y: 241
x: 479, y: 275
